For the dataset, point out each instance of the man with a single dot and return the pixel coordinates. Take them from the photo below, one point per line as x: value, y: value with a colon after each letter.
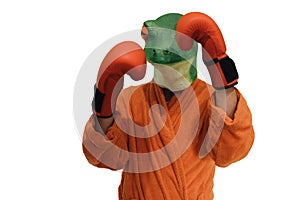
x: 168, y: 135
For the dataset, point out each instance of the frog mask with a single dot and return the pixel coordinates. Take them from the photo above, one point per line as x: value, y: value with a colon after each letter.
x: 174, y: 68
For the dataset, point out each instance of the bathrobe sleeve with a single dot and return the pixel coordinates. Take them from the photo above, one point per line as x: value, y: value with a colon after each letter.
x: 106, y: 151
x: 237, y: 135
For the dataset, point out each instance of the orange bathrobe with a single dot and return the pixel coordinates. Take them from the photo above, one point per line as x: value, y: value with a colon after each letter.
x: 170, y: 152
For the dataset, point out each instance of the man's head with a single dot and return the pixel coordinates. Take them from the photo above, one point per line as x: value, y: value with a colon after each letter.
x: 162, y: 51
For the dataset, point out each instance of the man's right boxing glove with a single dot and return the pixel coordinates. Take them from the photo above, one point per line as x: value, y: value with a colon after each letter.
x: 200, y: 27
x: 124, y: 58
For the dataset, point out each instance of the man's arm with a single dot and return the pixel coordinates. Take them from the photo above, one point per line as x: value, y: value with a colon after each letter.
x: 99, y: 149
x: 237, y: 136
x: 124, y: 58
x: 223, y: 73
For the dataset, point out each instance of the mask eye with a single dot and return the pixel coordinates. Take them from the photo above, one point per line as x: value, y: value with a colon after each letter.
x: 144, y: 33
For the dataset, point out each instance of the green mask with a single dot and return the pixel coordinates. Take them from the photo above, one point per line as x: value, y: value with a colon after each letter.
x: 174, y: 68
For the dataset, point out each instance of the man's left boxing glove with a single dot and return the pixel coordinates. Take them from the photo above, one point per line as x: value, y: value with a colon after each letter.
x: 203, y: 29
x: 124, y: 58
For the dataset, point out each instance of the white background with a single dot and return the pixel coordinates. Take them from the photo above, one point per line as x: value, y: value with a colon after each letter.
x: 43, y: 46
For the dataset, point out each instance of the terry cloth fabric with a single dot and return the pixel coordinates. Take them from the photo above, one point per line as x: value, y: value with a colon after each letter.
x: 169, y: 151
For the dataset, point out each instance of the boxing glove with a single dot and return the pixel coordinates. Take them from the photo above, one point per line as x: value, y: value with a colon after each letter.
x: 124, y: 58
x: 201, y: 28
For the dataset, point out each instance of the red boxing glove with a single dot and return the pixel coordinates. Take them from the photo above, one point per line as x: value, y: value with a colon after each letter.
x: 124, y: 58
x: 204, y: 30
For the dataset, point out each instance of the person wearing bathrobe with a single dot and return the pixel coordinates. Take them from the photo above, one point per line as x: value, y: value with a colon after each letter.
x: 168, y: 135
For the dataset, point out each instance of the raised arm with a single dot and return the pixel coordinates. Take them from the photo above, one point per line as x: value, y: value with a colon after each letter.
x: 103, y: 148
x: 201, y: 28
x: 234, y: 140
x: 124, y: 58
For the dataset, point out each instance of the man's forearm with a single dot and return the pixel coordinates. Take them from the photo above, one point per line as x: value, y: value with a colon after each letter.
x: 227, y: 103
x: 103, y: 124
